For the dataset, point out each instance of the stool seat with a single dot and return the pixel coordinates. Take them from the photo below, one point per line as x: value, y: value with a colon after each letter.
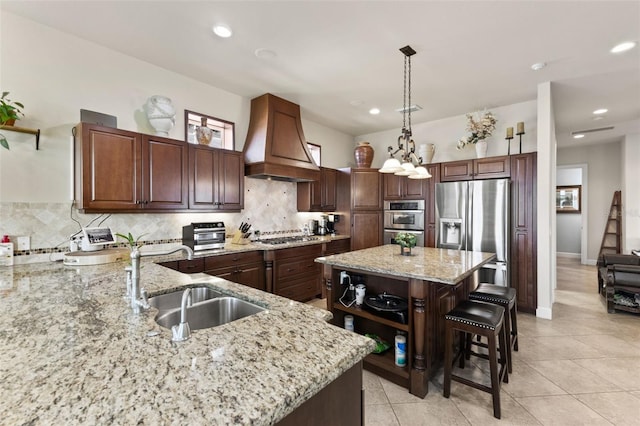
x: 493, y: 293
x: 483, y: 315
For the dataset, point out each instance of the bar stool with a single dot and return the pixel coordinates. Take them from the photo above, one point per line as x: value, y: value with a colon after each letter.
x: 505, y: 297
x: 484, y: 319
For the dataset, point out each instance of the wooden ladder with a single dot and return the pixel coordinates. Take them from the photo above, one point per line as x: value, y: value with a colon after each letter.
x: 612, y: 238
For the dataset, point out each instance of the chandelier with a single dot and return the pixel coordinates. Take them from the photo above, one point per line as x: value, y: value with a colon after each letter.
x: 406, y: 145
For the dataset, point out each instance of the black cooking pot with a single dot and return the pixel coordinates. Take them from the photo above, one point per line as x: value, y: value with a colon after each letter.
x: 388, y: 306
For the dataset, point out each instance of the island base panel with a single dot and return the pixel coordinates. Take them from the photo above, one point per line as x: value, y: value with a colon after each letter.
x: 340, y: 403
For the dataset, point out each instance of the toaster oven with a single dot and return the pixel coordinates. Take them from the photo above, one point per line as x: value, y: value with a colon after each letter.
x: 204, y: 235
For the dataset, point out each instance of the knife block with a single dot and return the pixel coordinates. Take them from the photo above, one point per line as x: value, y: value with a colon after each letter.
x: 238, y: 238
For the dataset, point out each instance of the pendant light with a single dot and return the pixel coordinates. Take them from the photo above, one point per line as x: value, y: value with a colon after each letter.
x: 406, y: 145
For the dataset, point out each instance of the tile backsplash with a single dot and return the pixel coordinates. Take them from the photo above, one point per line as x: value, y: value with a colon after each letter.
x: 268, y: 206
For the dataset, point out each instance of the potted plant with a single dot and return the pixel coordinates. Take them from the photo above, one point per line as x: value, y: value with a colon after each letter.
x: 480, y: 131
x: 406, y: 241
x: 133, y: 242
x: 10, y: 111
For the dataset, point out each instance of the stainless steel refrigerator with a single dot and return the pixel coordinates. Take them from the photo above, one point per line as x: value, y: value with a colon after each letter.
x: 474, y: 215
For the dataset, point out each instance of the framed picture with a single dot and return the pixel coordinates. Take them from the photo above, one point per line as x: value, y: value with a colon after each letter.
x: 569, y: 199
x: 207, y: 130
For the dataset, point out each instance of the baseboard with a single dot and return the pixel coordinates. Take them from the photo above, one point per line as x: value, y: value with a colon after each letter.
x: 569, y: 255
x: 592, y: 262
x: 544, y: 313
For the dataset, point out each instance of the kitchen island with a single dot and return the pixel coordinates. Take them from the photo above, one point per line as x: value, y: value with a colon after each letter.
x: 73, y: 352
x: 432, y: 280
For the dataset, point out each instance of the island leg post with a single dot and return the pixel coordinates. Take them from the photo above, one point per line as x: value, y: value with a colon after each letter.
x: 419, y: 376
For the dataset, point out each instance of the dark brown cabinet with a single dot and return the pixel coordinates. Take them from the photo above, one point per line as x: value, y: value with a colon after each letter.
x: 360, y: 203
x: 216, y: 179
x: 243, y: 268
x: 118, y: 170
x: 523, y: 230
x: 337, y: 247
x: 479, y: 168
x: 430, y: 205
x: 403, y: 188
x: 318, y: 196
x: 296, y: 275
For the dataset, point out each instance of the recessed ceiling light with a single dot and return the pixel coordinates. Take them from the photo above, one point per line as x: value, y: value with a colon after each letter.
x: 264, y: 53
x: 578, y: 136
x: 600, y: 111
x: 374, y: 111
x: 222, y: 30
x: 623, y: 47
x: 538, y: 66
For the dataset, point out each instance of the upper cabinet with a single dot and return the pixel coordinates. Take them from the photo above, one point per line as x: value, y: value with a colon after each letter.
x: 480, y: 168
x: 366, y: 189
x: 216, y: 179
x: 403, y: 188
x: 118, y: 170
x: 318, y: 196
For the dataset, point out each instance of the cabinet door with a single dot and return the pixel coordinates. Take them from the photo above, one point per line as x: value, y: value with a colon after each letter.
x: 366, y: 189
x: 492, y: 167
x: 231, y: 181
x: 523, y: 222
x: 414, y: 189
x: 309, y: 196
x: 366, y: 230
x: 202, y: 178
x: 452, y: 171
x: 108, y: 169
x: 430, y: 205
x: 165, y: 173
x: 392, y: 186
x: 251, y: 275
x: 328, y: 182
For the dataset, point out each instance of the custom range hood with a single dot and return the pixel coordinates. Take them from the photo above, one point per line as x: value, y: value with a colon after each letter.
x: 276, y: 147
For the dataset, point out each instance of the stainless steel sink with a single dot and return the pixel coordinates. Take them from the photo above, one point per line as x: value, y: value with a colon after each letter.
x: 170, y: 301
x: 211, y: 313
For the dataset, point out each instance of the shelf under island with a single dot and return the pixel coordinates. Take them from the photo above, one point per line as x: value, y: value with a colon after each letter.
x: 432, y: 280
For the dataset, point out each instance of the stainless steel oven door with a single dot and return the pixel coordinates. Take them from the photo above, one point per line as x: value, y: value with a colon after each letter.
x: 389, y: 236
x: 404, y: 219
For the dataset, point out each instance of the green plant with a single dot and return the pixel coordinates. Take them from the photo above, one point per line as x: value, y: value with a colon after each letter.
x: 406, y: 239
x: 133, y: 242
x: 9, y: 110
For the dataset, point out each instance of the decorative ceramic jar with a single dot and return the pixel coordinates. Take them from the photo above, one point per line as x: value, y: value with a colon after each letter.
x: 203, y: 133
x: 364, y: 155
x: 481, y: 148
x: 426, y: 152
x: 161, y: 114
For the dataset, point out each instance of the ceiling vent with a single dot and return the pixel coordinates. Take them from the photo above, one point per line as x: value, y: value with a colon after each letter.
x: 600, y: 129
x: 412, y: 108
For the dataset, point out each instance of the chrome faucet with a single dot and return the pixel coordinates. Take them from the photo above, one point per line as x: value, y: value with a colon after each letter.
x: 182, y: 331
x: 138, y: 302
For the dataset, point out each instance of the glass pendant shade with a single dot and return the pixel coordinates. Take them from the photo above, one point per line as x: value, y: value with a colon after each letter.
x: 408, y: 169
x: 392, y: 165
x: 421, y: 173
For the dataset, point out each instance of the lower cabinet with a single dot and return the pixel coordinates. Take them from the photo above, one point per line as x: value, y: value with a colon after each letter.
x: 337, y: 247
x: 296, y: 275
x: 243, y: 268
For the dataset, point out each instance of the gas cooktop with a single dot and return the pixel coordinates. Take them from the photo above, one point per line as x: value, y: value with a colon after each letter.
x: 285, y: 240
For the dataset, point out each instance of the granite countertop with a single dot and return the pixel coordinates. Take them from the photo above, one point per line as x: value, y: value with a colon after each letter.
x: 425, y: 263
x: 73, y: 352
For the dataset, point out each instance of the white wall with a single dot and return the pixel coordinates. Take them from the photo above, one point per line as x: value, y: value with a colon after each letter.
x: 630, y: 151
x: 605, y: 177
x: 445, y: 133
x: 55, y: 75
x: 568, y: 225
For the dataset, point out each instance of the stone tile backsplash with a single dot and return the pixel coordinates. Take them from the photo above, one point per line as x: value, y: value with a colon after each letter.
x: 268, y: 205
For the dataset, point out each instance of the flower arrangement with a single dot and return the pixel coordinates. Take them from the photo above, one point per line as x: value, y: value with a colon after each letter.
x: 480, y: 130
x: 405, y: 239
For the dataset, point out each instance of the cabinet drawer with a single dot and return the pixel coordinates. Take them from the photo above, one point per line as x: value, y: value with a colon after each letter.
x: 214, y: 262
x: 191, y: 266
x: 338, y: 246
x: 251, y: 275
x: 313, y: 250
x: 300, y: 289
x: 294, y: 267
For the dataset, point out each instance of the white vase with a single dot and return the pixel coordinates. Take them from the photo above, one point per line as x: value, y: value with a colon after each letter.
x: 481, y: 149
x: 429, y: 152
x: 161, y: 114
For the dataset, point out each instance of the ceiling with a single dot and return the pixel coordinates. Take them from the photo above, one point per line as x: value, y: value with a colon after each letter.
x: 338, y: 59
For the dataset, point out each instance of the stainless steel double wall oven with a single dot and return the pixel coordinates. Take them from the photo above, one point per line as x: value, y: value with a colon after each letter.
x: 404, y: 216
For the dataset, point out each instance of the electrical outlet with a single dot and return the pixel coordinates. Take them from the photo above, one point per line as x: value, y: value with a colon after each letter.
x: 24, y: 243
x: 344, y: 278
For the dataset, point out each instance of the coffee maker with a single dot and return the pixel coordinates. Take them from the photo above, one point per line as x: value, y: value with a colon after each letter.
x: 332, y: 219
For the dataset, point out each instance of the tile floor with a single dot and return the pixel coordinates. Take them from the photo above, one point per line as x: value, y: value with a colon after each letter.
x: 581, y: 368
